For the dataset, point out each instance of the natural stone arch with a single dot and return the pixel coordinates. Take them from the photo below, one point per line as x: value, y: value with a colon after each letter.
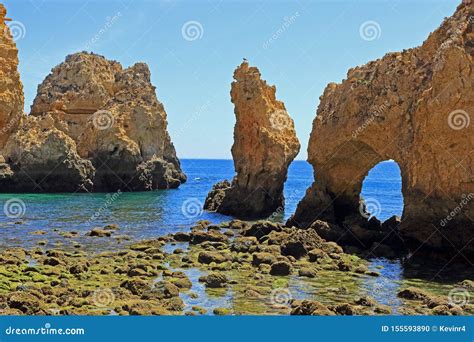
x: 413, y: 107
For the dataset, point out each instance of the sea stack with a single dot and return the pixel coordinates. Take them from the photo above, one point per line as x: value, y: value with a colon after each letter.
x: 265, y: 144
x: 93, y: 126
x: 35, y: 156
x: 11, y: 90
x: 414, y: 107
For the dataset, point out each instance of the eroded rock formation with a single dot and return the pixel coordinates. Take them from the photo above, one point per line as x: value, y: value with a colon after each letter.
x: 94, y: 126
x: 413, y: 107
x: 265, y: 144
x: 11, y: 89
x: 42, y: 158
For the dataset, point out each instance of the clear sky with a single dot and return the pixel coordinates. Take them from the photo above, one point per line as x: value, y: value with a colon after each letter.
x: 192, y: 48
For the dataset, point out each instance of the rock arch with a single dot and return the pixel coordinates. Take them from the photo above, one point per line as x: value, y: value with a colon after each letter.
x: 413, y: 107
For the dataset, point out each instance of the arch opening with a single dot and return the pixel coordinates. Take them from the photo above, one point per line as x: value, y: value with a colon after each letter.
x: 382, y: 191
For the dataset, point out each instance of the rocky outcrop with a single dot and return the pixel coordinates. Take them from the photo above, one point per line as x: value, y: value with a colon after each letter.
x: 115, y: 119
x: 94, y: 126
x: 11, y: 89
x: 413, y: 107
x: 42, y: 158
x: 265, y: 143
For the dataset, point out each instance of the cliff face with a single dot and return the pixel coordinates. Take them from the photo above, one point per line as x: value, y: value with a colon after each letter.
x: 102, y: 125
x: 413, y: 107
x: 11, y: 89
x: 265, y: 143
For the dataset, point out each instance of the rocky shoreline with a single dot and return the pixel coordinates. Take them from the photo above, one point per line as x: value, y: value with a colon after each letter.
x: 255, y: 263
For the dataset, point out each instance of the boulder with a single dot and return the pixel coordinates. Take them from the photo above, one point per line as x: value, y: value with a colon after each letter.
x: 413, y: 293
x: 216, y: 280
x: 280, y: 268
x: 310, y: 307
x: 209, y: 257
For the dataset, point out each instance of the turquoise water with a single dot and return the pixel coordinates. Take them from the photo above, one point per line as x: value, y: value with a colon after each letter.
x: 150, y: 214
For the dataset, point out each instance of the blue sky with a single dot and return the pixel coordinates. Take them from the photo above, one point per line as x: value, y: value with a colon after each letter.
x: 299, y: 46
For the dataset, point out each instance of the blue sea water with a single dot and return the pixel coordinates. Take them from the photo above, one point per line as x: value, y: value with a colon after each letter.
x: 151, y: 214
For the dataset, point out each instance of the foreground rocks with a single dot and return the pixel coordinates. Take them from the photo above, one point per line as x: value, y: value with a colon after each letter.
x: 412, y: 107
x: 265, y: 143
x: 256, y: 271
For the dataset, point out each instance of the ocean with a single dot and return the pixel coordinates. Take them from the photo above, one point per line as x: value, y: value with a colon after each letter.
x: 44, y: 217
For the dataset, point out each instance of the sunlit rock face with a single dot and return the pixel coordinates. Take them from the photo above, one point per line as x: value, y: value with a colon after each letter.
x: 265, y: 144
x: 416, y: 108
x: 11, y: 89
x: 94, y: 126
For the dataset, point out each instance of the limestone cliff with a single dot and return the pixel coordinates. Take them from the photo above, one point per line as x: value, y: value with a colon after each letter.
x: 115, y: 121
x: 265, y: 143
x: 413, y: 107
x: 11, y: 89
